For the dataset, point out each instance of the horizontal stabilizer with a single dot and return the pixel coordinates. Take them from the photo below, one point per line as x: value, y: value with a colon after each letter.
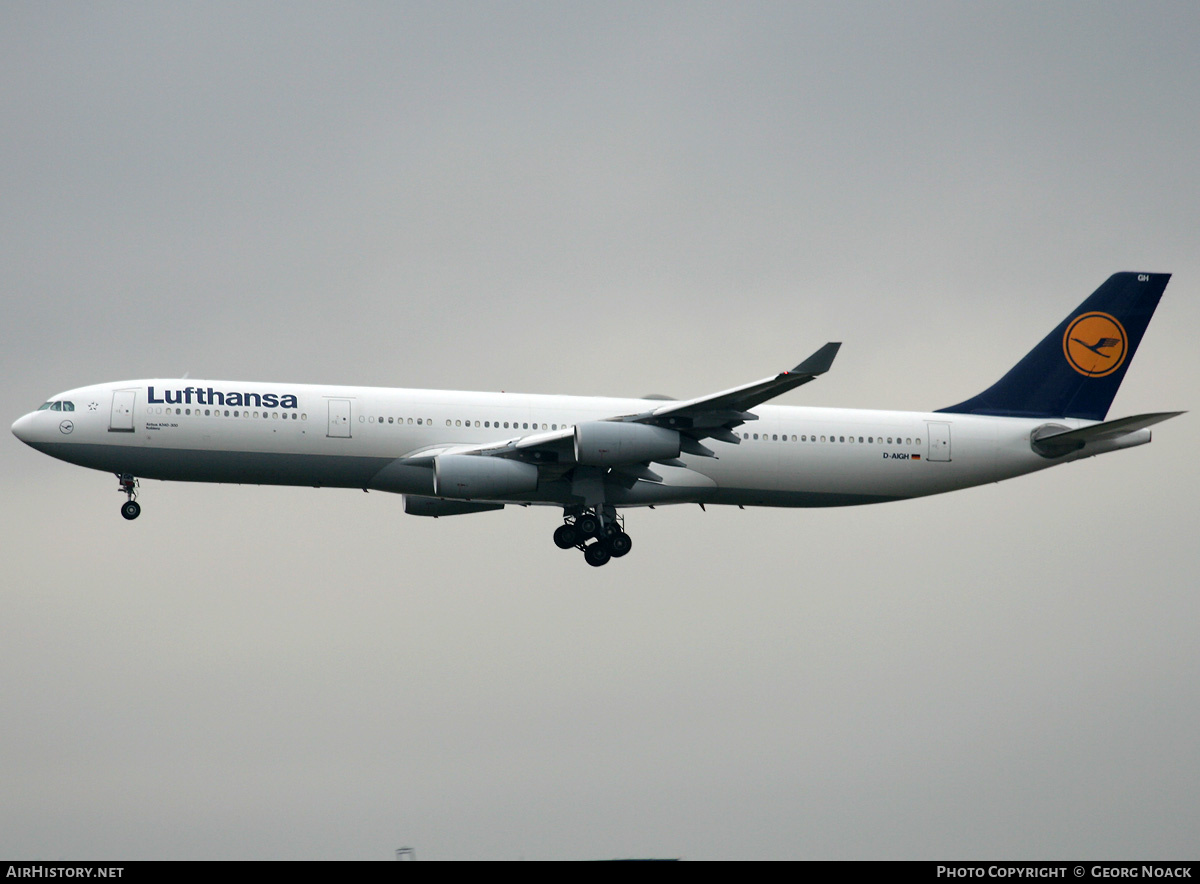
x: 1057, y: 444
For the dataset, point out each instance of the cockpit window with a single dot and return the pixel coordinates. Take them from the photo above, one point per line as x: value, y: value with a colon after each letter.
x: 57, y: 406
x: 68, y: 406
x: 45, y: 406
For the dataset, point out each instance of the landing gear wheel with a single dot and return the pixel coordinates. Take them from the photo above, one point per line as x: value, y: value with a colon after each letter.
x: 597, y: 554
x: 588, y: 526
x: 619, y: 544
x: 131, y: 510
x: 566, y: 536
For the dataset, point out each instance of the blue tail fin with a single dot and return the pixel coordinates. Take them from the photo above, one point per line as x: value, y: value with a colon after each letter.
x: 1076, y: 369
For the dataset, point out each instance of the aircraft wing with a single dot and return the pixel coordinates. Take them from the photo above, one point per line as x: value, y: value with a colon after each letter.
x: 714, y: 415
x: 729, y: 408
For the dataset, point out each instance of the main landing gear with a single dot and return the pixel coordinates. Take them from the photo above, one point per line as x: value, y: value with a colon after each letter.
x: 130, y: 509
x: 611, y: 541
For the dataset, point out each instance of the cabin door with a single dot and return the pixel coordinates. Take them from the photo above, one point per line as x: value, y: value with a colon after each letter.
x: 339, y: 419
x: 939, y: 442
x: 121, y: 418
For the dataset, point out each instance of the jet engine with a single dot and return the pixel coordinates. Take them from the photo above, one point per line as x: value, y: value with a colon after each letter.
x: 467, y: 476
x: 609, y: 443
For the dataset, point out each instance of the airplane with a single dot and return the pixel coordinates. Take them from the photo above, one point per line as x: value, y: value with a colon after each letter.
x: 451, y: 453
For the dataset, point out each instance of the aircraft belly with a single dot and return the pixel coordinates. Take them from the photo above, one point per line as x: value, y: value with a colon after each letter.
x: 240, y: 467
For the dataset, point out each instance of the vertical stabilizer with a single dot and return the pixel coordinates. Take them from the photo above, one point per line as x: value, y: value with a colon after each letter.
x: 1076, y: 369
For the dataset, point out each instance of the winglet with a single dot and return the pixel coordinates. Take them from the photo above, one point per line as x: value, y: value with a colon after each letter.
x: 819, y: 362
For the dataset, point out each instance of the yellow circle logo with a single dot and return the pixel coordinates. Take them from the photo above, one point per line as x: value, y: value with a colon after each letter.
x: 1095, y: 344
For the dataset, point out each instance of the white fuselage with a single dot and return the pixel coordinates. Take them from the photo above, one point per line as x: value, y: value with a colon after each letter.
x: 291, y: 434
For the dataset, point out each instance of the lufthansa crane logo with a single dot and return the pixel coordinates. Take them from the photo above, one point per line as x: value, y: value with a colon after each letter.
x: 1095, y: 344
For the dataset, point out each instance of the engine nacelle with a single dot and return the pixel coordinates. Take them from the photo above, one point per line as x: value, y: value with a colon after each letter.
x: 467, y: 476
x: 415, y: 505
x: 610, y: 443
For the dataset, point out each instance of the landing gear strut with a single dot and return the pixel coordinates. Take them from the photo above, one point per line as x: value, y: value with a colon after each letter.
x: 611, y: 541
x: 130, y: 509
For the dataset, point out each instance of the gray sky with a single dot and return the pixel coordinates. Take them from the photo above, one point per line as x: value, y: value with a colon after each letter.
x: 610, y: 199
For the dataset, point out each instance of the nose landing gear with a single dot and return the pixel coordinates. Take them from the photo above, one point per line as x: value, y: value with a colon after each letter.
x: 611, y: 541
x: 130, y: 509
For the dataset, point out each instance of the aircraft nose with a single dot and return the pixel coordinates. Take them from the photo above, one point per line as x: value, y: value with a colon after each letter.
x: 23, y: 428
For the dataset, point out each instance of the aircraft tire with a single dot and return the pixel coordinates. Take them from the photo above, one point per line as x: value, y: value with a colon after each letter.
x: 619, y: 544
x: 597, y: 554
x: 587, y: 525
x: 566, y: 536
x: 131, y: 509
